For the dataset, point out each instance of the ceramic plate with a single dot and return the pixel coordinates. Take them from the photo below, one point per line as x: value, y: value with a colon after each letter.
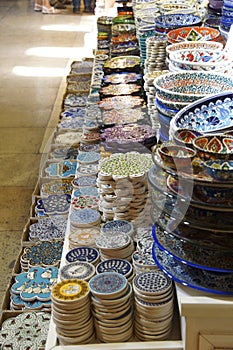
x: 69, y: 290
x: 115, y: 265
x: 107, y: 283
x: 87, y: 254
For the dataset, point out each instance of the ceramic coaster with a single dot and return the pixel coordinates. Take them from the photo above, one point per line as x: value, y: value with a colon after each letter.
x: 90, y: 137
x: 78, y: 270
x: 118, y: 226
x: 85, y: 191
x: 70, y: 290
x: 86, y: 169
x: 50, y: 228
x: 68, y: 138
x: 112, y: 241
x: 152, y: 283
x: 85, y: 217
x: 108, y: 284
x: 87, y: 254
x: 73, y: 100
x: 85, y: 202
x: 47, y: 253
x: 54, y: 204
x: 89, y: 147
x: 56, y: 186
x: 88, y: 157
x: 84, y: 181
x: 116, y: 265
x: 74, y: 112
x: 83, y: 237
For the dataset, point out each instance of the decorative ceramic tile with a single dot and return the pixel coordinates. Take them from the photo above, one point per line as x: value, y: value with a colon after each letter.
x: 26, y: 330
x: 107, y: 283
x: 112, y: 241
x: 69, y: 290
x: 155, y: 282
x: 88, y: 157
x: 67, y: 168
x: 85, y: 191
x: 84, y: 181
x: 75, y: 112
x: 122, y: 62
x: 56, y: 187
x: 83, y: 237
x: 62, y: 153
x: 117, y: 226
x: 87, y: 169
x: 79, y: 270
x: 50, y: 228
x: 87, y: 254
x: 84, y: 217
x: 68, y: 138
x: 73, y: 100
x: 85, y: 202
x: 53, y: 205
x: 89, y: 147
x: 120, y: 78
x: 45, y: 254
x: 34, y: 285
x: 71, y: 124
x: 115, y: 265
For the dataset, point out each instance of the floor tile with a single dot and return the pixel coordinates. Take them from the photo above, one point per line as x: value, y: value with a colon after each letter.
x: 15, y: 204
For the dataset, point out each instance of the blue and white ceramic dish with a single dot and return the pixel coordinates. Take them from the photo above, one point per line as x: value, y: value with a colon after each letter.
x: 87, y: 254
x: 107, y: 284
x: 115, y: 265
x: 219, y: 169
x: 205, y: 280
x: 212, y: 114
x: 166, y: 22
x: 117, y: 226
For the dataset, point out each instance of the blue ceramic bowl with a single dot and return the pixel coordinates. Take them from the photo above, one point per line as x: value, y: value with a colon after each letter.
x: 167, y: 22
x: 212, y: 114
x: 219, y: 169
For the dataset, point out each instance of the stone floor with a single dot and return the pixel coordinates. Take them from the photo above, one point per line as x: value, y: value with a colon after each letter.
x: 35, y: 53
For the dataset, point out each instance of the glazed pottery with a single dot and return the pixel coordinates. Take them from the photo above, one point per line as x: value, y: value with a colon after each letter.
x: 190, y: 45
x: 190, y: 85
x: 165, y: 23
x: 219, y: 169
x: 192, y: 34
x: 176, y: 157
x: 213, y: 147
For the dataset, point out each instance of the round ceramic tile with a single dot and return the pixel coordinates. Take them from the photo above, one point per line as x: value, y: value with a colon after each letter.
x: 117, y: 226
x: 112, y: 241
x: 84, y: 217
x: 87, y: 254
x: 115, y: 265
x: 77, y: 270
x: 82, y: 202
x: 88, y: 157
x: 152, y: 283
x: 107, y: 284
x: 84, y: 181
x: 83, y: 237
x: 70, y: 290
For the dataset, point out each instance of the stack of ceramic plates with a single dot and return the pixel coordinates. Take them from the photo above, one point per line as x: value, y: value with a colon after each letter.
x: 77, y: 270
x: 114, y: 245
x: 87, y: 254
x: 156, y: 53
x: 118, y: 226
x: 153, y: 306
x: 121, y: 266
x: 112, y: 307
x: 84, y: 218
x: 142, y: 258
x: 83, y: 237
x: 122, y: 185
x: 71, y: 312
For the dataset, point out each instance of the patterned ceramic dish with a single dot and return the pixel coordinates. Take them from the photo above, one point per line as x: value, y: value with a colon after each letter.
x: 190, y: 85
x: 176, y: 157
x: 87, y: 254
x: 190, y: 45
x: 79, y: 269
x: 181, y: 7
x: 207, y: 115
x: 108, y: 284
x: 198, y: 59
x: 115, y: 265
x: 213, y: 147
x: 167, y: 22
x: 192, y: 34
x: 185, y: 137
x: 219, y: 169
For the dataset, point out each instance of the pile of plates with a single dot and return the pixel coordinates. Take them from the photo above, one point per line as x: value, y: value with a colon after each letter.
x: 113, y: 245
x: 71, y: 312
x: 112, y: 307
x: 153, y: 306
x: 83, y: 237
x: 121, y: 266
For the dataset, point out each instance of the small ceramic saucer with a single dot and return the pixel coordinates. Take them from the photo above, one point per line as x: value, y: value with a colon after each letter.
x: 70, y: 290
x: 84, y: 217
x: 117, y: 265
x: 78, y: 270
x: 87, y: 254
x: 108, y: 285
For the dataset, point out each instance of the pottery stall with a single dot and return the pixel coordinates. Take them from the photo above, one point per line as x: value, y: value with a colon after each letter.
x: 128, y: 244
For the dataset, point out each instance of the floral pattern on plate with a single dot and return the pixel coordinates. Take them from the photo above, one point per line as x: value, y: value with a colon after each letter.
x: 69, y: 290
x: 107, y: 283
x: 88, y: 157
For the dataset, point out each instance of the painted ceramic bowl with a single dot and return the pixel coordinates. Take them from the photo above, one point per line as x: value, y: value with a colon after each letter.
x: 198, y: 59
x: 212, y: 147
x: 176, y: 157
x: 192, y: 34
x: 179, y: 7
x: 167, y: 22
x: 173, y: 105
x: 190, y: 45
x: 185, y: 137
x: 190, y: 86
x: 212, y: 114
x: 219, y: 169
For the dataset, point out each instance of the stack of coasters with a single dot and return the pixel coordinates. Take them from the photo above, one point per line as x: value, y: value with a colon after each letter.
x: 83, y: 237
x: 121, y: 266
x: 71, y: 312
x: 112, y: 245
x: 87, y: 254
x: 153, y: 306
x: 77, y: 270
x: 112, y: 307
